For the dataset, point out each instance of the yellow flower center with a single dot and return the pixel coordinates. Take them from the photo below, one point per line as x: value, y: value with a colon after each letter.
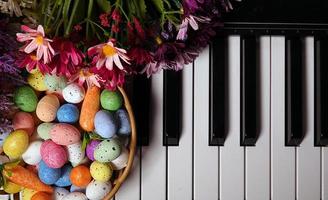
x: 33, y: 57
x: 108, y: 50
x: 39, y: 40
x: 158, y: 40
x: 85, y: 73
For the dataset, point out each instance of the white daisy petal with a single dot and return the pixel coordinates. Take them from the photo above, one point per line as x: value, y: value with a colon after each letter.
x: 109, y: 63
x: 118, y: 62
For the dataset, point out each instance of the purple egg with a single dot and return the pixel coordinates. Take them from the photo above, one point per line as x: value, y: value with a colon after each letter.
x: 91, y: 148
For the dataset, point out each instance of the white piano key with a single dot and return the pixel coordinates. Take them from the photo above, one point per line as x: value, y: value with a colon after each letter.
x: 180, y: 157
x: 205, y: 156
x: 282, y: 157
x: 324, y: 173
x: 308, y: 156
x: 153, y: 173
x: 130, y: 189
x: 232, y: 154
x: 258, y: 157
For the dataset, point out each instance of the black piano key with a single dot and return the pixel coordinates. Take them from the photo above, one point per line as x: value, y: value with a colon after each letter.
x: 248, y: 91
x: 217, y: 132
x: 141, y: 101
x: 172, y: 107
x: 293, y: 92
x: 321, y: 92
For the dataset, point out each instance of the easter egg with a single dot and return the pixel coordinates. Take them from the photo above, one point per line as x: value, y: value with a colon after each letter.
x: 75, y: 196
x: 98, y: 190
x: 52, y: 154
x: 36, y: 81
x: 32, y: 155
x: 65, y: 134
x: 60, y: 193
x: 75, y: 188
x: 48, y: 175
x: 54, y: 82
x: 12, y: 188
x: 64, y: 180
x: 111, y: 100
x: 25, y: 121
x: 44, y: 130
x: 91, y: 149
x: 80, y: 176
x: 27, y: 194
x: 68, y: 113
x: 41, y: 196
x: 47, y: 108
x: 101, y: 171
x: 121, y: 161
x: 105, y: 124
x: 25, y: 99
x: 15, y: 144
x: 124, y: 127
x: 107, y: 150
x: 75, y: 153
x: 73, y: 93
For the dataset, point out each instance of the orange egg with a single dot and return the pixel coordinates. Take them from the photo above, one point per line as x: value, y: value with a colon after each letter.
x: 80, y: 176
x: 24, y: 121
x: 47, y: 107
x: 41, y: 196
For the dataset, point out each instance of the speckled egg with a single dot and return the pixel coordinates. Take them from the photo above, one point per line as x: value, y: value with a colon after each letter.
x: 60, y: 193
x: 121, y: 161
x: 25, y: 121
x: 44, y: 130
x: 54, y: 155
x: 105, y: 124
x: 91, y: 149
x: 73, y: 93
x: 101, y: 171
x: 124, y: 127
x: 65, y: 134
x: 16, y: 144
x: 48, y: 175
x: 75, y: 196
x: 107, y: 150
x: 80, y: 176
x: 111, y: 100
x: 32, y: 155
x: 41, y: 196
x: 98, y: 190
x: 68, y: 113
x: 47, y: 108
x: 54, y: 82
x: 36, y: 81
x: 75, y: 153
x: 64, y: 180
x: 27, y: 194
x: 25, y: 99
x: 75, y: 188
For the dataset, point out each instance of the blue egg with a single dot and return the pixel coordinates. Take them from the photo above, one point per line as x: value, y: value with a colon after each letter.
x: 68, y: 113
x: 105, y: 124
x: 64, y: 180
x: 124, y: 127
x: 77, y: 189
x: 48, y: 175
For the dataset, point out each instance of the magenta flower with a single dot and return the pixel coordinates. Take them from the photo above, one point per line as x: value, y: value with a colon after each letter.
x: 30, y: 62
x: 192, y: 21
x: 35, y: 40
x: 110, y: 78
x: 86, y: 76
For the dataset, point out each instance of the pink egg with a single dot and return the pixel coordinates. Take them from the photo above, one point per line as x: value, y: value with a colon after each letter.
x: 25, y: 121
x: 54, y: 155
x: 65, y: 134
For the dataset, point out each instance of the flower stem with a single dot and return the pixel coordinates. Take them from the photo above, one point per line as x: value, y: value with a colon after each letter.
x: 70, y: 22
x: 90, y: 5
x: 94, y: 23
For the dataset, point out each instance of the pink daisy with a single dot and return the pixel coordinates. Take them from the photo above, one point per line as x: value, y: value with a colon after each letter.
x: 86, y: 76
x: 30, y: 62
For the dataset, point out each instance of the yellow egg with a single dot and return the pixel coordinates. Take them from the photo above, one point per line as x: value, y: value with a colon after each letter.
x: 27, y: 194
x: 36, y: 81
x: 12, y: 188
x: 101, y: 171
x: 15, y: 144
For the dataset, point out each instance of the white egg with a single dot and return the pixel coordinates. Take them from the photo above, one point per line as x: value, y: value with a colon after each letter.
x: 75, y: 196
x: 98, y: 190
x: 121, y: 161
x: 3, y: 159
x: 85, y: 161
x: 32, y: 155
x: 60, y: 193
x: 75, y: 153
x: 73, y: 93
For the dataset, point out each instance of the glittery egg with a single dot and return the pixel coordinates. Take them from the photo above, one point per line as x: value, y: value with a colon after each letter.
x: 124, y: 127
x: 98, y: 190
x: 121, y: 161
x: 16, y: 144
x: 75, y: 196
x: 68, y: 113
x: 48, y: 175
x: 91, y: 149
x: 44, y: 130
x: 111, y: 100
x: 60, y: 193
x: 101, y: 171
x: 52, y: 154
x: 47, y: 108
x: 36, y: 81
x: 54, y: 82
x: 65, y: 134
x: 32, y: 155
x: 25, y: 99
x: 64, y: 180
x: 75, y: 153
x: 73, y: 93
x: 105, y: 124
x: 25, y: 121
x: 107, y: 150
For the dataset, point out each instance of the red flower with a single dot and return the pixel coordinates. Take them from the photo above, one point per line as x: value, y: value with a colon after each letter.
x: 140, y: 31
x: 115, y: 28
x: 116, y: 16
x: 140, y: 56
x: 104, y: 20
x: 78, y: 27
x: 110, y: 78
x: 30, y: 62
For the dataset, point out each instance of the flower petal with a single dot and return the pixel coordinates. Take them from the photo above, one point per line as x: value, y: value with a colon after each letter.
x: 117, y: 62
x: 109, y: 63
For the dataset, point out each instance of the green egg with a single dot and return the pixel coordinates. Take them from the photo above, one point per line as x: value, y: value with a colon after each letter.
x: 54, y: 82
x: 107, y: 150
x: 25, y: 99
x: 44, y: 130
x: 111, y: 100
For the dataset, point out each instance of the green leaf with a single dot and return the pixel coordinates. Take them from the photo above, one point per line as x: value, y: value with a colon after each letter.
x: 159, y: 5
x: 104, y: 5
x: 65, y: 11
x: 142, y: 8
x: 86, y: 139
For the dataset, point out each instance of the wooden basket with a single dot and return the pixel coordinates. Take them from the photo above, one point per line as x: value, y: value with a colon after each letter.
x: 122, y: 175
